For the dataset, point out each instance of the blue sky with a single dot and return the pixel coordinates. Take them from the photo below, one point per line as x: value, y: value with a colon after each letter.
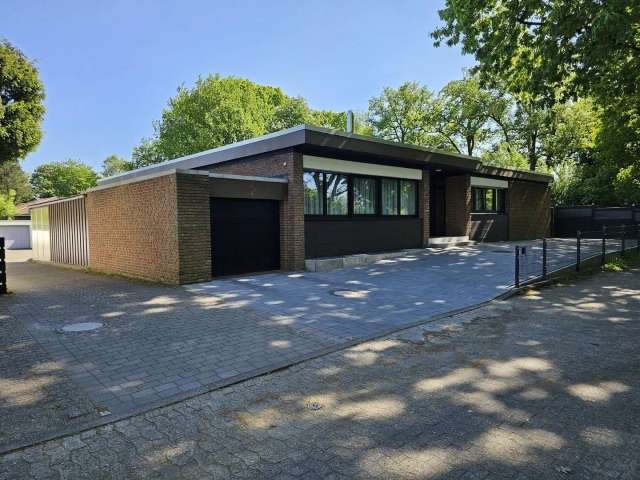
x: 109, y: 67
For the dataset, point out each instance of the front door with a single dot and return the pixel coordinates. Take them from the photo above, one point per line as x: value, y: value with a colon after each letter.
x: 437, y: 205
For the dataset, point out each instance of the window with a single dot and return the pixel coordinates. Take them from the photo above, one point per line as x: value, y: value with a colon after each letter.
x: 337, y: 194
x: 365, y: 194
x: 488, y: 200
x: 389, y: 196
x: 408, y: 197
x: 313, y: 193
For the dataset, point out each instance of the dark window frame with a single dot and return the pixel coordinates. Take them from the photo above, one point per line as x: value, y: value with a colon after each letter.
x: 500, y: 206
x: 350, y: 197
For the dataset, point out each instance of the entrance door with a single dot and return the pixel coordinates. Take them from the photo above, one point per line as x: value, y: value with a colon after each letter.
x: 437, y: 205
x: 245, y: 235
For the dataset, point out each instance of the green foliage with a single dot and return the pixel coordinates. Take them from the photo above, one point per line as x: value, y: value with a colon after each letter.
x: 401, y: 115
x: 114, y: 165
x: 549, y: 53
x: 218, y: 111
x: 21, y: 107
x: 12, y: 177
x: 62, y: 179
x: 7, y: 205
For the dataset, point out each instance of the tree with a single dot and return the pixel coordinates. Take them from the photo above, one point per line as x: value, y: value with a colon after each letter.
x: 218, y: 111
x: 12, y: 177
x: 114, y: 165
x: 401, y: 115
x: 461, y: 116
x: 21, y: 104
x: 62, y: 179
x: 7, y: 205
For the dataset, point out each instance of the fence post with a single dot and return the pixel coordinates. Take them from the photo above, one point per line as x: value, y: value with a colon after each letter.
x: 604, y: 244
x: 578, y: 251
x: 544, y: 258
x: 3, y: 268
x: 517, y: 266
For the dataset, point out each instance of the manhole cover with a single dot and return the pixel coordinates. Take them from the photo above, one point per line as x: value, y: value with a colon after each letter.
x: 80, y: 327
x: 351, y: 293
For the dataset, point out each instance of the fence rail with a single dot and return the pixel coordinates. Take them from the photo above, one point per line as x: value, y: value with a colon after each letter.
x: 538, y: 259
x: 3, y: 268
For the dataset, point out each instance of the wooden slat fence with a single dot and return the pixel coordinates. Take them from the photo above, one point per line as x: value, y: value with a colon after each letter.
x: 68, y: 227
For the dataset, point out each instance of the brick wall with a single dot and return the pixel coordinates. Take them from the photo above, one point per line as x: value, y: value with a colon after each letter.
x: 194, y: 228
x: 285, y: 163
x: 458, y: 205
x: 133, y: 230
x: 423, y: 207
x: 529, y: 208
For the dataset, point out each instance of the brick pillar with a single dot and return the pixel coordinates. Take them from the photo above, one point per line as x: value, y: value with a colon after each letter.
x: 194, y: 227
x: 424, y: 192
x: 292, y: 216
x: 458, y: 206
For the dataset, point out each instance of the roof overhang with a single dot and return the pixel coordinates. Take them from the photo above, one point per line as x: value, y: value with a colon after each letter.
x: 327, y: 142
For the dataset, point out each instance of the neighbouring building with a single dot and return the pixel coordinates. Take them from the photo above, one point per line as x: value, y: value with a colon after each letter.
x: 271, y: 202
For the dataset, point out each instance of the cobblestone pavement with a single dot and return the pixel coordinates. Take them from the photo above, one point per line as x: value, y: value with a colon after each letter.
x: 542, y: 386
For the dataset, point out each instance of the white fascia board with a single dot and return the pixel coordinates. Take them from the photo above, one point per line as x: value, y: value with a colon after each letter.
x: 311, y: 162
x: 489, y: 182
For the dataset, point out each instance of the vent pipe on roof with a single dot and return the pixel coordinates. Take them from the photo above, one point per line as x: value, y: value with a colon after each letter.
x: 350, y: 121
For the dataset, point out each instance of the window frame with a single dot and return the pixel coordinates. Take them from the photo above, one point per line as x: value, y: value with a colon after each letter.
x: 500, y: 205
x: 350, y: 197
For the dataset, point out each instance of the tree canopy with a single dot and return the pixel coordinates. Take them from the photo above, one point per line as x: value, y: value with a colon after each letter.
x: 218, y: 111
x: 12, y: 177
x: 550, y: 54
x: 21, y: 104
x: 62, y: 179
x: 113, y: 165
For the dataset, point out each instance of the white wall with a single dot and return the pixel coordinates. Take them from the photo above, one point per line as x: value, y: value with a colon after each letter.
x: 16, y: 233
x: 40, y: 234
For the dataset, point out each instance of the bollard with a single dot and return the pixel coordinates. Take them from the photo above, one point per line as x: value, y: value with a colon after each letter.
x: 3, y: 268
x: 517, y: 270
x: 578, y: 251
x: 544, y: 258
x: 624, y: 231
x: 604, y: 245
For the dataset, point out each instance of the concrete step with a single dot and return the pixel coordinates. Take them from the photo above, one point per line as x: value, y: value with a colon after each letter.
x: 444, y: 242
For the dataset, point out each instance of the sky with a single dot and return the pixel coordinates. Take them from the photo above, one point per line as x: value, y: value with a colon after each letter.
x: 109, y: 67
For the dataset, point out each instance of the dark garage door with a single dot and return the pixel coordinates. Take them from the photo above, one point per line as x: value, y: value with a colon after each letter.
x: 245, y: 235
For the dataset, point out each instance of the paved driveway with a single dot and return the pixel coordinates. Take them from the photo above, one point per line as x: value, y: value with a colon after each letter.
x: 159, y: 344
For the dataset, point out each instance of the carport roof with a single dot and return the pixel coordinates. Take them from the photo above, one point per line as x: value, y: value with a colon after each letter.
x: 316, y: 140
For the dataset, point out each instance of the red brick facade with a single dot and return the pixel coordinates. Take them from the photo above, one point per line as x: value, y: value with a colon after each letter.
x: 133, y: 230
x: 529, y: 209
x: 458, y: 205
x: 423, y: 207
x: 288, y: 164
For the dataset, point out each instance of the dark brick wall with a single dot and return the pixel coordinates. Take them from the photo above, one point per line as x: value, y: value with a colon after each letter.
x: 529, y: 208
x: 458, y: 209
x: 288, y: 164
x: 194, y: 228
x: 423, y: 207
x: 133, y: 230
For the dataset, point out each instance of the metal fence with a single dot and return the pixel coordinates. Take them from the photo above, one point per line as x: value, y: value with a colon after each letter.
x: 3, y: 268
x: 535, y: 260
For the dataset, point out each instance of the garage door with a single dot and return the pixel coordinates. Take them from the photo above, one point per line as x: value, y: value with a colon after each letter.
x: 245, y: 235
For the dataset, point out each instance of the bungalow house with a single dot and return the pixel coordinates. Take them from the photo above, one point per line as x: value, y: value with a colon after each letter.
x: 273, y: 201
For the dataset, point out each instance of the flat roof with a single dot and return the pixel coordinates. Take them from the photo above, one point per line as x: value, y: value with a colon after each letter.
x: 317, y: 140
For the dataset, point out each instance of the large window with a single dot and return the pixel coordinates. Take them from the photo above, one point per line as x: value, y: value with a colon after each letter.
x: 338, y: 194
x: 365, y: 196
x: 488, y: 200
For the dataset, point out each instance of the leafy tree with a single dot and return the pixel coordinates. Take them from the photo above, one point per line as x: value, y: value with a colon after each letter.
x: 402, y: 114
x: 461, y: 115
x: 12, y: 177
x: 114, y: 165
x: 21, y: 107
x: 7, y: 205
x: 147, y: 153
x: 62, y: 179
